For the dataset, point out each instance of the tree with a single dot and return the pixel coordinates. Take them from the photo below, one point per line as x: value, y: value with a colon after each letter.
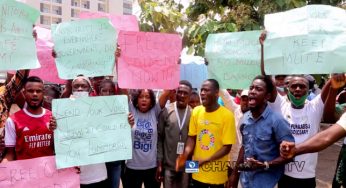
x: 203, y: 17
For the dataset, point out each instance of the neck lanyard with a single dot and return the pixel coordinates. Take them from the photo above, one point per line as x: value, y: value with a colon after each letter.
x: 180, y: 123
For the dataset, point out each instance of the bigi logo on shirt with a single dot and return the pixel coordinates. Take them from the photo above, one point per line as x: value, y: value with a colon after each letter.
x: 143, y: 137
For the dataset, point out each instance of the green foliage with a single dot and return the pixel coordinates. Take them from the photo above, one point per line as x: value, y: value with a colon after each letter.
x: 203, y: 17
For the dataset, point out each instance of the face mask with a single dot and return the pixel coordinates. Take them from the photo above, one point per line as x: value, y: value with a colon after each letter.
x: 280, y: 89
x: 79, y: 94
x: 297, y: 102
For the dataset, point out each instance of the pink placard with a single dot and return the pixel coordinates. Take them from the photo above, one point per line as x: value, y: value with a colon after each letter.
x: 148, y: 60
x: 44, y: 47
x: 120, y: 22
x: 39, y: 172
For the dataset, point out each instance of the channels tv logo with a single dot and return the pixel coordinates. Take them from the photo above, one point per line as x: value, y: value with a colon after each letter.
x: 191, y: 167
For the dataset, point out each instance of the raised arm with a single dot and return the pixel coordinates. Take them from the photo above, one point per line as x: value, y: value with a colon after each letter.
x: 164, y: 98
x: 228, y: 100
x: 328, y: 96
x: 14, y: 86
x: 261, y: 40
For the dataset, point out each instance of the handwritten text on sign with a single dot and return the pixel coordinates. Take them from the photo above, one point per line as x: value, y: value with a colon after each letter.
x: 17, y: 45
x: 234, y: 58
x: 149, y: 60
x: 316, y: 44
x: 91, y: 130
x: 39, y: 172
x: 120, y: 22
x: 84, y: 47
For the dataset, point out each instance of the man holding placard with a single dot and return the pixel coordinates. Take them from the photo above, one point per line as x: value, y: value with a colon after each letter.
x: 304, y: 119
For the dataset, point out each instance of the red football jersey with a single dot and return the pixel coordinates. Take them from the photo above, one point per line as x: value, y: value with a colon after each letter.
x: 34, y: 139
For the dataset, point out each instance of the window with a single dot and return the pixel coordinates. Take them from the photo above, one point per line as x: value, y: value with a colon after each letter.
x: 101, y: 7
x: 74, y: 3
x: 45, y: 20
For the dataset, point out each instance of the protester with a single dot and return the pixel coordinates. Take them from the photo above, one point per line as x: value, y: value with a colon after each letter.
x: 8, y: 93
x: 194, y: 100
x: 211, y: 135
x: 107, y: 88
x: 262, y: 132
x: 304, y: 119
x: 50, y: 92
x: 238, y: 111
x: 318, y: 143
x: 94, y: 175
x: 172, y: 135
x: 27, y: 134
x: 96, y: 81
x: 312, y: 81
x: 142, y: 167
x: 280, y: 84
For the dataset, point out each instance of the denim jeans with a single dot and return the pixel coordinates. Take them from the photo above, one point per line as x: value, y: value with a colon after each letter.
x: 113, y: 172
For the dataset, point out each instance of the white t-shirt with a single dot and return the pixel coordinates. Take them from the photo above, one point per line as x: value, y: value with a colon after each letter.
x: 342, y: 123
x: 238, y: 118
x: 304, y: 123
x: 93, y: 173
x: 144, y: 138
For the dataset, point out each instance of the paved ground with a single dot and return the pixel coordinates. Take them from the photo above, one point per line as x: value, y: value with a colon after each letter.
x: 326, y: 164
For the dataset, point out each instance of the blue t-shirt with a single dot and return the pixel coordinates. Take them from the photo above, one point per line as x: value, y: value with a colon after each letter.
x: 261, y: 141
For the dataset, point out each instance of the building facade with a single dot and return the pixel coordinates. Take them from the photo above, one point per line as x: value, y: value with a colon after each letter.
x: 56, y: 11
x: 127, y: 6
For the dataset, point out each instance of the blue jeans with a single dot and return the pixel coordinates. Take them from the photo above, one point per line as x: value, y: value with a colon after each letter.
x: 113, y: 172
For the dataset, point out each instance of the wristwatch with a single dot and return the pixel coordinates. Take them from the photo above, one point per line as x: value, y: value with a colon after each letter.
x: 267, y: 165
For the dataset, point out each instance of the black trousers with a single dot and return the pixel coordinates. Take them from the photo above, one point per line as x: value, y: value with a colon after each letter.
x: 197, y: 184
x: 289, y: 182
x: 95, y: 185
x: 135, y: 178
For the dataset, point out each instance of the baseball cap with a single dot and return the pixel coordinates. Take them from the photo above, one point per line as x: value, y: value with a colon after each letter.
x: 245, y: 92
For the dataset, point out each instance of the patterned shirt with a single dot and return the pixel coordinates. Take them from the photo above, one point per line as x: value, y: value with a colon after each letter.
x: 10, y: 92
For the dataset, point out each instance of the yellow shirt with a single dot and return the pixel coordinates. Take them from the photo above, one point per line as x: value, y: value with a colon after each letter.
x: 212, y: 131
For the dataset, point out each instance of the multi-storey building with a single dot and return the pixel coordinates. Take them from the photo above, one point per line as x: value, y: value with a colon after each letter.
x: 56, y: 11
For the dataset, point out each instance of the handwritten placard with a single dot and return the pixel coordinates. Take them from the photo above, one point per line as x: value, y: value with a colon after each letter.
x: 38, y: 172
x: 84, y: 47
x: 91, y: 130
x: 307, y: 40
x: 194, y: 70
x: 17, y: 45
x: 149, y: 60
x: 44, y: 46
x: 120, y: 22
x: 234, y: 58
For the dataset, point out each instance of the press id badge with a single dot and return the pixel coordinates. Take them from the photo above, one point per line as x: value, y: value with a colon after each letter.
x: 180, y: 148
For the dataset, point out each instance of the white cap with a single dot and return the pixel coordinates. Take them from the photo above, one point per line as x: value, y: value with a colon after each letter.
x: 245, y: 92
x: 3, y: 76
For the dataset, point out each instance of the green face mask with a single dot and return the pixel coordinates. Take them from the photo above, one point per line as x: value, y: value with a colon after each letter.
x: 297, y: 102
